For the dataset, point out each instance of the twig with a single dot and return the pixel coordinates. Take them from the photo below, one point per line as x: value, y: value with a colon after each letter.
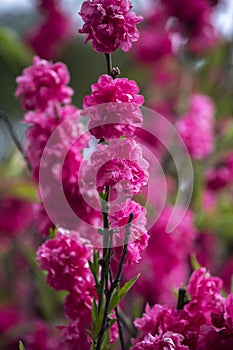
x: 14, y: 137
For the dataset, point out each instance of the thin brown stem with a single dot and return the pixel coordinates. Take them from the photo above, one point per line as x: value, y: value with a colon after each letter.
x: 14, y: 137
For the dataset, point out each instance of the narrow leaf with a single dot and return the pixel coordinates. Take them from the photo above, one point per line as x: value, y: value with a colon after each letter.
x: 94, y: 311
x: 21, y: 346
x: 106, y: 340
x: 127, y: 286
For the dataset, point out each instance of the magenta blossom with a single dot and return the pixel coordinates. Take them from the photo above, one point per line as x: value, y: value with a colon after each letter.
x: 122, y: 175
x: 138, y: 239
x: 44, y: 85
x: 196, y: 126
x: 117, y: 110
x: 168, y: 341
x: 66, y: 259
x: 110, y: 24
x: 108, y: 90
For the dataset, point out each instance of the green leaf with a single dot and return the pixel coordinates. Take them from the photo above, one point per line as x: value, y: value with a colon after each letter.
x: 114, y: 299
x: 194, y: 262
x: 94, y: 271
x: 127, y: 286
x: 99, y: 320
x: 21, y: 346
x: 106, y: 340
x: 96, y: 256
x: 118, y: 295
x: 90, y: 334
x: 53, y: 232
x: 94, y: 311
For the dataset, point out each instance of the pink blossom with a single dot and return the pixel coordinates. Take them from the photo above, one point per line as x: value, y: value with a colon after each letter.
x: 74, y: 336
x: 109, y: 24
x: 206, y: 313
x: 15, y: 215
x: 193, y: 20
x: 218, y: 178
x: 121, y: 115
x: 113, y: 90
x: 138, y: 239
x: 42, y: 127
x: 41, y: 337
x: 43, y: 85
x: 168, y: 341
x: 66, y: 259
x: 154, y: 42
x: 196, y: 126
x: 205, y: 295
x: 47, y: 37
x: 130, y: 168
x: 122, y: 175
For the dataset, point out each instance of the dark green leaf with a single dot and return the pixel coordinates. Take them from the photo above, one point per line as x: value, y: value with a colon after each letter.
x: 94, y: 311
x: 106, y: 340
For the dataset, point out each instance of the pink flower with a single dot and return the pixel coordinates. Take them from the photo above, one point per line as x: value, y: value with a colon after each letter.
x: 196, y: 127
x: 41, y: 337
x: 66, y: 259
x: 74, y: 336
x: 193, y: 20
x: 42, y: 127
x: 121, y: 175
x: 205, y: 294
x: 113, y: 90
x: 218, y: 178
x: 119, y: 163
x: 44, y: 85
x: 110, y: 24
x: 206, y: 313
x: 154, y: 42
x: 121, y: 115
x: 138, y: 239
x: 15, y: 216
x: 48, y: 35
x: 168, y: 341
x: 169, y: 251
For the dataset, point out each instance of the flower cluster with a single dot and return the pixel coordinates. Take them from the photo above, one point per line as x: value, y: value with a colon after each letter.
x: 203, y: 322
x: 44, y: 85
x: 196, y: 126
x: 110, y: 24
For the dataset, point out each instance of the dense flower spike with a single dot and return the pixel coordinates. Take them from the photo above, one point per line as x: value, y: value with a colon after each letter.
x: 44, y: 85
x: 196, y: 126
x: 110, y: 24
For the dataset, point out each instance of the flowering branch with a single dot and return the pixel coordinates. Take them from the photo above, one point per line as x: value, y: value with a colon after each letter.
x: 14, y: 137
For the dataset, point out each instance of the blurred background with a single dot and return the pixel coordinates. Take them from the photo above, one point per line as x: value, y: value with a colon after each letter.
x: 183, y: 51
